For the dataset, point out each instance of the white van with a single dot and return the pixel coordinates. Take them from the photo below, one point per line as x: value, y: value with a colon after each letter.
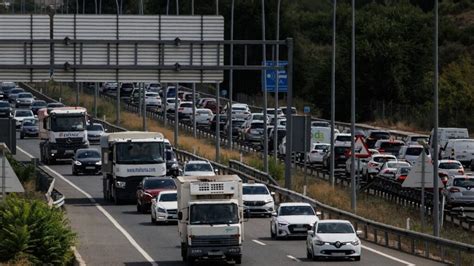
x: 459, y: 149
x: 447, y: 133
x: 321, y: 135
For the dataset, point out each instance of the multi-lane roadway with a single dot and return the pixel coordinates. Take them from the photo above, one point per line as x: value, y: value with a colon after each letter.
x: 118, y: 235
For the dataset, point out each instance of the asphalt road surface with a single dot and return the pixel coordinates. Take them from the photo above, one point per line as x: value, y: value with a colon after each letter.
x: 118, y: 235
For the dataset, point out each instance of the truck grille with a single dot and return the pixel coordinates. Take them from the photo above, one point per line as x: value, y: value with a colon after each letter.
x: 254, y: 203
x: 297, y: 226
x: 70, y: 141
x: 214, y: 241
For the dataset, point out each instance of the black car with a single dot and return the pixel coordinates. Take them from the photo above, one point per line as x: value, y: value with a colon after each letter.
x: 222, y: 123
x: 341, y: 152
x: 50, y: 106
x: 86, y: 161
x: 36, y: 105
x: 5, y: 109
x: 172, y: 166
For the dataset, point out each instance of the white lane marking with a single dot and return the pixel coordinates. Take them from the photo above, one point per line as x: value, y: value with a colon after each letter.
x: 387, y: 256
x: 259, y: 242
x: 293, y: 258
x: 103, y: 211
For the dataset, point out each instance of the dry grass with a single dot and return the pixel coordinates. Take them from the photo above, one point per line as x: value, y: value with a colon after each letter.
x: 400, y: 125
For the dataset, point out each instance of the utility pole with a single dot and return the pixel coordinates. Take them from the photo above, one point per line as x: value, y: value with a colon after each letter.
x: 353, y: 110
x: 333, y: 94
x: 264, y: 91
x: 436, y: 229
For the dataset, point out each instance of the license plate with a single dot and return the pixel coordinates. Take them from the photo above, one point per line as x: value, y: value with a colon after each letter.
x: 69, y: 151
x: 301, y: 229
x: 338, y: 254
x: 215, y: 253
x: 90, y: 167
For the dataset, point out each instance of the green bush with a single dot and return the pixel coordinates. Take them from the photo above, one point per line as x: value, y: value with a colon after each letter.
x: 31, y: 230
x: 25, y: 173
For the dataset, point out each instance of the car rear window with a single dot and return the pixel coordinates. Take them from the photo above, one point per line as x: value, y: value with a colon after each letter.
x: 391, y: 146
x: 463, y: 182
x: 25, y: 95
x: 450, y: 165
x: 414, y: 151
x: 4, y: 104
x: 159, y: 183
x: 190, y: 105
x: 343, y: 138
x: 39, y: 103
x: 256, y: 125
x: 380, y: 135
x: 382, y: 159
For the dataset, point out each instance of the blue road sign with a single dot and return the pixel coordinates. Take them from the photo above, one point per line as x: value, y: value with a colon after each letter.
x: 306, y: 110
x: 270, y: 77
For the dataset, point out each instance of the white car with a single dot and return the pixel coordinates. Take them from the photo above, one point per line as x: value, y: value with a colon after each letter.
x: 450, y: 168
x: 389, y: 169
x: 153, y: 87
x: 258, y: 199
x: 152, y: 99
x: 271, y: 112
x: 342, y: 138
x: 170, y: 104
x: 94, y: 132
x: 376, y: 162
x: 415, y: 139
x: 282, y: 147
x: 240, y: 110
x: 292, y: 219
x: 411, y: 153
x: 318, y: 150
x: 198, y: 168
x: 185, y: 110
x: 21, y: 115
x: 203, y: 116
x: 360, y: 165
x: 164, y: 207
x: 333, y: 238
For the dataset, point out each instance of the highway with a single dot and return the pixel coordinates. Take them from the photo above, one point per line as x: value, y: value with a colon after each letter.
x: 118, y: 235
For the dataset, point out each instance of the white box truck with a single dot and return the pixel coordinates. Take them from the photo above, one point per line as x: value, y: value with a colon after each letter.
x: 210, y: 218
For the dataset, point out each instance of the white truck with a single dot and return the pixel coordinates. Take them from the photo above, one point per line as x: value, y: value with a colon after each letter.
x: 128, y: 157
x: 210, y: 218
x: 62, y: 131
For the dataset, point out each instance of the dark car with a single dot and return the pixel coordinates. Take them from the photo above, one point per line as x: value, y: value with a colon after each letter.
x: 375, y: 135
x: 223, y: 121
x: 236, y: 124
x: 36, y: 105
x: 172, y: 166
x: 149, y: 188
x: 5, y: 109
x: 6, y: 88
x: 50, y: 106
x: 29, y: 128
x: 126, y: 89
x: 341, y: 152
x: 86, y: 161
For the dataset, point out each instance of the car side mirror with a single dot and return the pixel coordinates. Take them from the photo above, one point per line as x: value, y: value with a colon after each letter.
x: 310, y: 232
x: 272, y: 193
x: 359, y: 232
x: 105, y: 130
x: 180, y: 215
x: 216, y: 171
x: 318, y: 213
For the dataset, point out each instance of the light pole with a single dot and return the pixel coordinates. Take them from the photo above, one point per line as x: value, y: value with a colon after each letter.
x: 264, y: 91
x: 436, y: 228
x: 231, y: 75
x: 353, y: 91
x: 275, y: 127
x: 333, y: 93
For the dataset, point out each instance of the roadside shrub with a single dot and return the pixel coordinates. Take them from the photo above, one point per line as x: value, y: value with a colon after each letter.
x: 25, y: 173
x: 31, y: 231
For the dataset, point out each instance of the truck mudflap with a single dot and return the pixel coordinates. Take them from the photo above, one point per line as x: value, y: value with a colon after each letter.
x: 214, y: 252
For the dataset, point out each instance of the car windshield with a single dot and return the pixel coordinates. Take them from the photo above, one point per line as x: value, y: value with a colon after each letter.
x: 140, y: 152
x: 414, y: 151
x: 23, y: 113
x: 225, y: 213
x: 256, y: 125
x: 391, y: 146
x: 255, y: 190
x: 296, y: 210
x: 25, y: 95
x: 95, y: 128
x: 416, y: 139
x: 240, y: 109
x: 382, y: 159
x: 450, y: 165
x: 69, y: 123
x: 4, y: 104
x: 16, y: 91
x: 88, y: 154
x: 257, y: 117
x: 464, y: 182
x: 198, y: 167
x: 159, y: 184
x: 167, y: 197
x: 335, y: 228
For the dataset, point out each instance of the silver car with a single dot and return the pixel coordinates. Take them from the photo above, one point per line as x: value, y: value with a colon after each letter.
x: 460, y: 191
x: 94, y: 131
x: 24, y: 99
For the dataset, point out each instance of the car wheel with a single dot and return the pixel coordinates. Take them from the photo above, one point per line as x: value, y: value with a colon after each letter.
x: 272, y: 234
x: 153, y: 220
x: 309, y: 254
x: 357, y: 258
x: 238, y: 259
x: 138, y: 207
x: 74, y: 172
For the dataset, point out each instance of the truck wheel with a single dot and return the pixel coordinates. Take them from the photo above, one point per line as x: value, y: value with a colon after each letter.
x: 272, y: 234
x: 184, y: 252
x: 117, y: 201
x: 238, y: 259
x: 190, y: 261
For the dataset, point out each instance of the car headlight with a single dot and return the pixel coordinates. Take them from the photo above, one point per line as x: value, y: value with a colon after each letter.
x: 77, y: 163
x: 268, y: 201
x: 355, y: 243
x: 174, y: 166
x: 282, y: 224
x: 318, y: 242
x: 99, y: 163
x: 161, y: 210
x: 120, y: 184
